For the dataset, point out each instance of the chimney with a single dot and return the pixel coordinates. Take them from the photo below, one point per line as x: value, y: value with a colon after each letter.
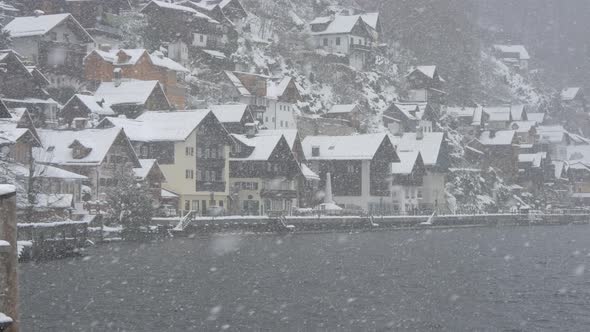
x: 250, y: 130
x: 419, y: 133
x: 492, y: 133
x: 117, y: 76
x: 38, y: 12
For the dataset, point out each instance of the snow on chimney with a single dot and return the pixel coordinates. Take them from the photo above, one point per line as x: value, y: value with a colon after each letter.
x: 38, y: 13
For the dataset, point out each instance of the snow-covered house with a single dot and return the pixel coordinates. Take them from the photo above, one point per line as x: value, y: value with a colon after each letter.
x: 131, y: 98
x: 237, y: 118
x: 360, y: 168
x: 273, y: 100
x: 56, y: 43
x: 407, y: 185
x: 578, y: 161
x: 500, y: 117
x: 264, y: 175
x: 515, y: 56
x: 554, y: 140
x: 349, y: 112
x: 192, y: 149
x: 468, y: 118
x: 16, y: 141
x: 181, y: 27
x: 434, y: 151
x: 526, y: 131
x: 98, y: 154
x: 24, y: 86
x: 401, y: 117
x: 425, y: 85
x: 90, y: 13
x: 353, y: 36
x: 150, y: 174
x: 123, y: 64
x: 534, y: 169
x: 498, y: 149
x: 82, y: 108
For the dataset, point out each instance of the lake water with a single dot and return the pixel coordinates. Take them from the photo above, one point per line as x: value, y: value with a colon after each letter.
x: 465, y: 279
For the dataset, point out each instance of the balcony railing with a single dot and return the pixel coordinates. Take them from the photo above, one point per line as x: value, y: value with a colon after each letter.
x: 360, y: 47
x: 210, y: 186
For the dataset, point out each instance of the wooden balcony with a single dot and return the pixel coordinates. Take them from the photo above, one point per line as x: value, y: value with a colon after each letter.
x: 210, y: 186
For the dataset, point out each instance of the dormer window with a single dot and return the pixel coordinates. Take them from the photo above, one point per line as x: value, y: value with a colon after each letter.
x: 79, y: 151
x: 315, y: 151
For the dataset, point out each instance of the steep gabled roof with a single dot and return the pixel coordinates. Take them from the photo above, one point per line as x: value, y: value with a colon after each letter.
x: 92, y: 103
x: 357, y: 147
x: 130, y: 92
x: 229, y: 113
x: 409, y: 160
x: 500, y: 137
x: 516, y: 49
x: 569, y: 94
x: 429, y: 145
x: 159, y: 126
x: 341, y: 24
x: 29, y: 26
x: 176, y: 7
x: 133, y: 56
x: 57, y: 146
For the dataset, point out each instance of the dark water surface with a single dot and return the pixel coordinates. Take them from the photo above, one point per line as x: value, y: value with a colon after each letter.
x: 469, y: 279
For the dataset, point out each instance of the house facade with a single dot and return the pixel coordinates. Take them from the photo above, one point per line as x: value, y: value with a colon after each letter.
x: 263, y: 175
x: 58, y: 45
x: 131, y: 98
x: 138, y: 64
x: 192, y: 149
x: 425, y: 85
x: 359, y: 166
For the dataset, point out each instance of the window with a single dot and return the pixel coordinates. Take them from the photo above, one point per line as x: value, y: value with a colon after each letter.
x: 189, y: 151
x: 350, y: 169
x: 266, y: 119
x: 338, y: 41
x: 201, y: 38
x: 419, y: 193
x: 315, y: 151
x: 189, y: 174
x: 187, y: 205
x: 325, y: 41
x: 281, y: 123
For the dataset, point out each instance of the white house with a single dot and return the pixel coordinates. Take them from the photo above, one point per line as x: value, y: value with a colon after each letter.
x: 513, y: 55
x: 353, y: 36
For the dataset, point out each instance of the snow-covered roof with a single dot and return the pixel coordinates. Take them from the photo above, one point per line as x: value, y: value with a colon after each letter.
x: 413, y: 111
x: 161, y: 126
x: 237, y: 83
x: 429, y: 146
x: 500, y: 137
x: 579, y: 153
x: 93, y: 104
x: 462, y: 111
x: 276, y: 89
x: 517, y: 49
x: 308, y: 173
x: 522, y: 126
x: 131, y: 92
x: 263, y: 147
x: 244, y: 140
x: 289, y: 134
x: 168, y: 194
x: 345, y: 108
x: 535, y: 159
x: 46, y: 171
x: 10, y: 133
x: 539, y: 118
x: 405, y: 166
x: 6, y: 189
x: 172, y: 6
x: 340, y: 24
x: 357, y: 147
x: 133, y: 55
x: 345, y: 23
x: 229, y: 113
x: 28, y: 26
x: 57, y: 150
x: 215, y: 54
x: 54, y: 201
x: 551, y: 134
x: 569, y: 94
x: 144, y: 170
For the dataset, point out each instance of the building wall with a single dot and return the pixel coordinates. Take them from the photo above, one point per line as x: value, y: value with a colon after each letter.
x: 8, y: 260
x: 178, y: 182
x: 433, y: 190
x: 279, y: 115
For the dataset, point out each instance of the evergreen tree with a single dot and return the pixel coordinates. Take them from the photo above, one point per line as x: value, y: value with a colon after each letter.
x: 130, y: 203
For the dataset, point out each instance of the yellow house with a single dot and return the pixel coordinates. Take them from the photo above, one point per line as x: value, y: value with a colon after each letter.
x: 192, y: 149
